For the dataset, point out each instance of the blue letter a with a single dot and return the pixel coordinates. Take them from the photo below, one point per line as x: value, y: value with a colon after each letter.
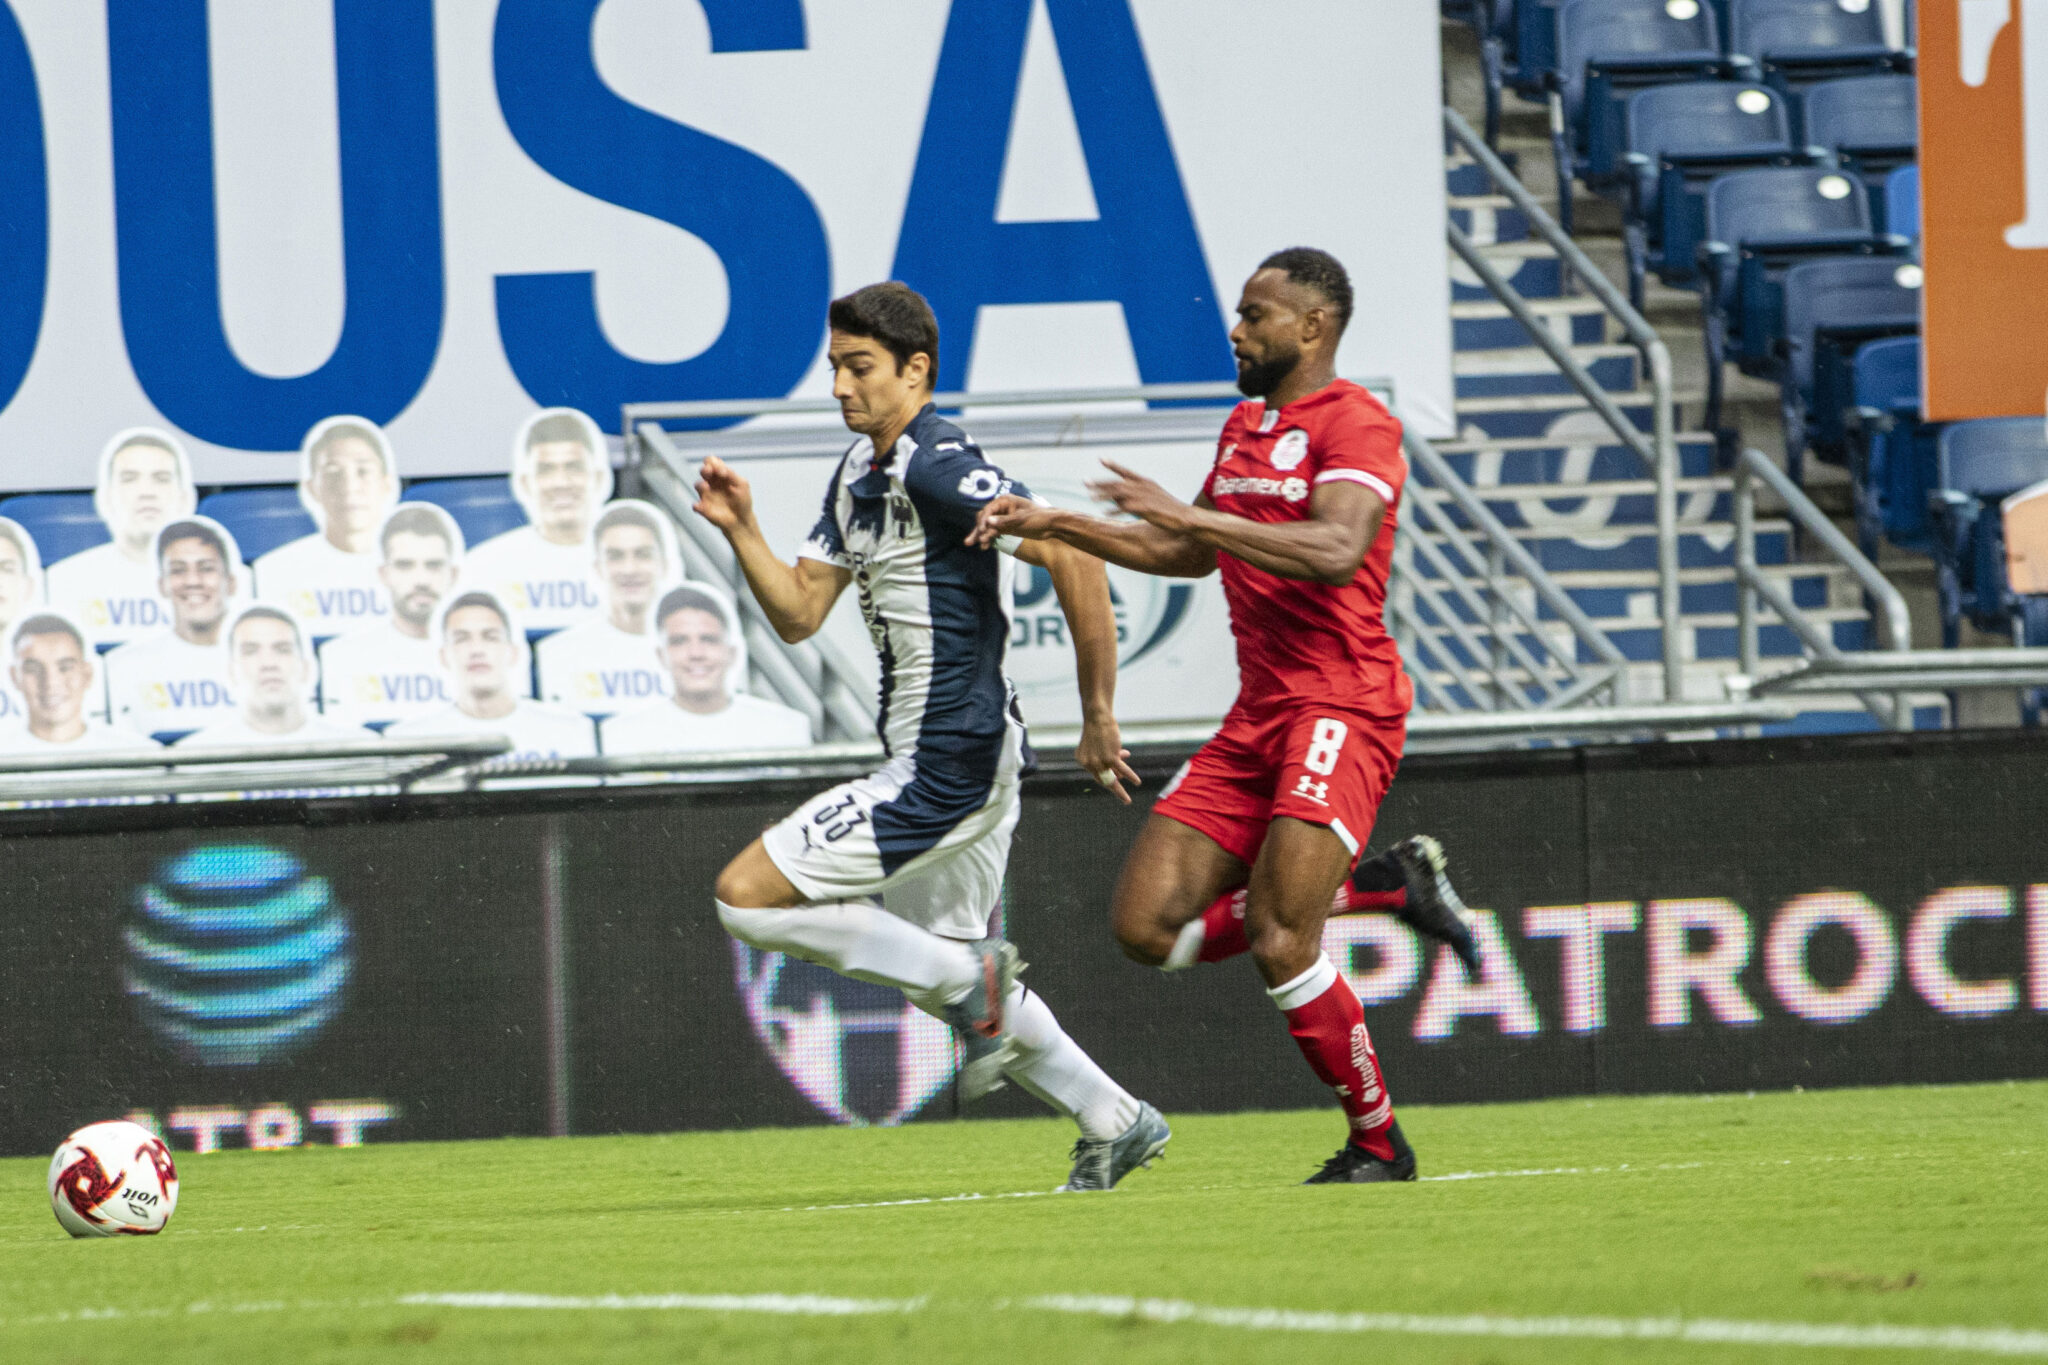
x: 164, y: 206
x: 1141, y: 251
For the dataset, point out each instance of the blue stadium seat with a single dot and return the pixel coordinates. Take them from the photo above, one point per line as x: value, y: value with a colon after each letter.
x: 1978, y: 464
x: 1797, y: 43
x: 1871, y: 124
x: 1759, y: 224
x: 62, y: 524
x: 1494, y: 23
x: 1535, y: 48
x: 1678, y: 139
x: 1607, y: 48
x: 482, y: 507
x: 1902, y: 202
x: 1832, y: 306
x: 260, y: 518
x: 1891, y: 451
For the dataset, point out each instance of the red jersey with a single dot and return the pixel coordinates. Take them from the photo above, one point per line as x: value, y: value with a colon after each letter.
x: 1298, y: 640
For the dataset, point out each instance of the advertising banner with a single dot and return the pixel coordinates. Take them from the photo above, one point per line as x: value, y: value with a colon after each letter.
x: 1983, y: 74
x: 1667, y: 918
x: 235, y: 219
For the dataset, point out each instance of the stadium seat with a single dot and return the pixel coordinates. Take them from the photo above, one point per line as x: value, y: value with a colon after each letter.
x: 1798, y: 43
x: 1891, y: 451
x: 482, y: 507
x: 1493, y: 23
x: 1678, y: 139
x: 1832, y: 306
x: 1759, y: 224
x: 1978, y: 465
x: 1902, y: 203
x: 1870, y: 124
x: 62, y: 524
x: 260, y: 518
x: 1607, y: 48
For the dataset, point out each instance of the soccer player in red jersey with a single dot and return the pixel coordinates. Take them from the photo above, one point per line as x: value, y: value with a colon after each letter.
x: 1298, y: 514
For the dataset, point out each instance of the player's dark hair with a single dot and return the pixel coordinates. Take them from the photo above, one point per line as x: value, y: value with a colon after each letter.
x: 628, y: 513
x: 48, y: 623
x: 561, y: 427
x: 488, y: 601
x: 1318, y: 270
x: 894, y: 314
x: 416, y: 519
x: 689, y: 597
x: 193, y: 530
x: 263, y: 611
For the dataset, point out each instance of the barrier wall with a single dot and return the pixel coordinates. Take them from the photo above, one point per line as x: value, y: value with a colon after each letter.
x: 1657, y: 918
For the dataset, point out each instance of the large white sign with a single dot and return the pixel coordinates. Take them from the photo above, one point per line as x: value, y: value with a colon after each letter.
x: 236, y: 217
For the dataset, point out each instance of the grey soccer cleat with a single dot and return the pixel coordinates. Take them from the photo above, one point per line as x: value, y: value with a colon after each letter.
x: 982, y: 1019
x: 1098, y: 1165
x: 1433, y: 907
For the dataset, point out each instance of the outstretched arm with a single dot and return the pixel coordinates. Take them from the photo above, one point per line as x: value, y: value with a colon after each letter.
x: 1083, y: 589
x: 1126, y: 544
x: 1344, y: 519
x: 796, y: 597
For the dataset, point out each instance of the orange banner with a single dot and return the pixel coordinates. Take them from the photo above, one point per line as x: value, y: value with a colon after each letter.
x: 1984, y: 191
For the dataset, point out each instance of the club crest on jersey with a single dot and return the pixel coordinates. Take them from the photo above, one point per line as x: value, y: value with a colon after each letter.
x: 860, y: 1052
x: 1290, y: 450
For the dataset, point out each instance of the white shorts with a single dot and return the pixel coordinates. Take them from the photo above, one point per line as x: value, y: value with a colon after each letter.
x: 934, y: 858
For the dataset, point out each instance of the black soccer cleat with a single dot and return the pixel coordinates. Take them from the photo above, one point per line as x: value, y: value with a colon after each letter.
x: 1433, y: 909
x: 1353, y: 1165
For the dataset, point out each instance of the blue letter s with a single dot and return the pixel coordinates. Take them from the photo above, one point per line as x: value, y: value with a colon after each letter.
x: 760, y: 222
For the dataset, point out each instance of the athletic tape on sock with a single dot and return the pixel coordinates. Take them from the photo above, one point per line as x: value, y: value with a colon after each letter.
x: 1187, y: 948
x: 1294, y: 994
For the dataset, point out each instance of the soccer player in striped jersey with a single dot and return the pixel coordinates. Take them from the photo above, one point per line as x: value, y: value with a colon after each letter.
x: 892, y: 878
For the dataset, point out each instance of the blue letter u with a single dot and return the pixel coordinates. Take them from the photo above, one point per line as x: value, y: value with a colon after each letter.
x: 24, y: 209
x: 168, y: 240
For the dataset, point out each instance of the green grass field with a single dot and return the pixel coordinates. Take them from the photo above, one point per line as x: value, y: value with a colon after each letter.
x: 1896, y: 1210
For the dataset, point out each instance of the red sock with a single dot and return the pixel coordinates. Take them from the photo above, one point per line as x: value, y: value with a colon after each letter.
x: 1223, y: 934
x: 1328, y: 1025
x: 1351, y: 901
x: 1223, y: 928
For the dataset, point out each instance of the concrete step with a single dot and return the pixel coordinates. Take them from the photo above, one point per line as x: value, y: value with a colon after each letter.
x: 1561, y: 550
x: 1551, y: 414
x: 1526, y: 371
x: 1484, y: 325
x: 1547, y: 461
x: 1489, y: 218
x: 1530, y: 266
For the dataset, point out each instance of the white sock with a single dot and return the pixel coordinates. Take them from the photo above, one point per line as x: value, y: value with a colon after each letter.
x: 1053, y: 1067
x: 865, y: 942
x: 1187, y: 946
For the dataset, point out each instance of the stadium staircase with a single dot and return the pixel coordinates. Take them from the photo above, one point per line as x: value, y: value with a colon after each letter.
x: 1554, y: 472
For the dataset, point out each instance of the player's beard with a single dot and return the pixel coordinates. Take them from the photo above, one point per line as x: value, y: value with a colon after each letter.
x: 1256, y: 379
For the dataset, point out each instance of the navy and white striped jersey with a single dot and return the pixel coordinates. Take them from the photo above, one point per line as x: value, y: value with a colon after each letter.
x: 938, y: 610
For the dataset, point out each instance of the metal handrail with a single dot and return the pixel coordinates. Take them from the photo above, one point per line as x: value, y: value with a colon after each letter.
x: 812, y: 675
x: 1894, y: 621
x: 221, y: 768
x: 1660, y: 452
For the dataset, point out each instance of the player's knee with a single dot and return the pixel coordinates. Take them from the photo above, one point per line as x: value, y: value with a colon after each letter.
x: 1281, y: 950
x: 1142, y: 934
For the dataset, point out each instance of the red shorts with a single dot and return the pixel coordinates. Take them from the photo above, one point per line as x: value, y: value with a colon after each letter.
x: 1324, y: 765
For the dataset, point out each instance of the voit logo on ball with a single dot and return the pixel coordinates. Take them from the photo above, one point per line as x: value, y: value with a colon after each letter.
x: 1149, y: 611
x: 860, y: 1052
x: 236, y: 955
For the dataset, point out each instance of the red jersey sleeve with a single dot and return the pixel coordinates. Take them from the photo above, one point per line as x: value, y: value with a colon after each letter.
x: 1361, y: 443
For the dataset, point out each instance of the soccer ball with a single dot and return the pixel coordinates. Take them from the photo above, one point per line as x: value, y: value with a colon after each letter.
x: 110, y: 1179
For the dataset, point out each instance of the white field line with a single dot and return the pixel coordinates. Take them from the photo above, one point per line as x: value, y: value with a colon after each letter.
x: 1983, y: 1340
x: 2001, y: 1341
x: 1455, y: 1175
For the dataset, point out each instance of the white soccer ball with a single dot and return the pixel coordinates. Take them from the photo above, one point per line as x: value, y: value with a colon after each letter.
x: 114, y: 1178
